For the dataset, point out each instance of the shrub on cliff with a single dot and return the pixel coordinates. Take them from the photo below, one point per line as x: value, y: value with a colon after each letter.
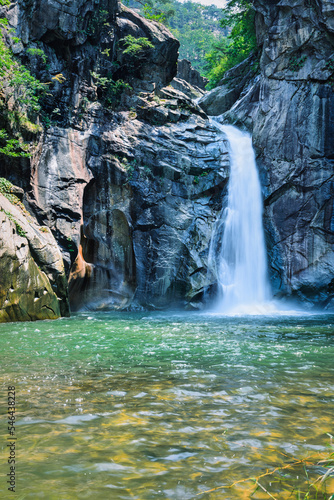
x: 19, y: 99
x: 239, y: 16
x: 196, y: 26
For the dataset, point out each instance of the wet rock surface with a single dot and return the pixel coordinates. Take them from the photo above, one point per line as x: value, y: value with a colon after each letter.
x: 151, y: 194
x: 289, y: 108
x: 130, y: 175
x: 129, y: 172
x: 33, y: 284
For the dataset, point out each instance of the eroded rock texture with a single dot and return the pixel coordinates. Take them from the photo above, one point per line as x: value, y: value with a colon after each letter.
x: 189, y: 80
x: 140, y: 209
x: 33, y: 284
x: 130, y: 180
x: 289, y: 107
x: 129, y: 174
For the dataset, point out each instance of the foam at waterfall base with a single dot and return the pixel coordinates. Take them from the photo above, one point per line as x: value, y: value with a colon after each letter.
x: 269, y: 308
x: 237, y: 254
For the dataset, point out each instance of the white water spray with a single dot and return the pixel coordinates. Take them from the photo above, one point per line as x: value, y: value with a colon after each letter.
x: 238, y: 246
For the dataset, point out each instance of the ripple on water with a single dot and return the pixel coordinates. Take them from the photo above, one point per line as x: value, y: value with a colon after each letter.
x: 166, y: 406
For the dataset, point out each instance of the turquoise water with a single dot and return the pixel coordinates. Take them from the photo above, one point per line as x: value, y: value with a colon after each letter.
x: 166, y: 405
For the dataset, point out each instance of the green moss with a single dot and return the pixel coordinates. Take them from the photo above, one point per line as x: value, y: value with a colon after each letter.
x: 20, y: 231
x: 6, y: 188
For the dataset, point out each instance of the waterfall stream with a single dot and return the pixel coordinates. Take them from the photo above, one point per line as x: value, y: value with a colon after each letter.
x: 238, y: 251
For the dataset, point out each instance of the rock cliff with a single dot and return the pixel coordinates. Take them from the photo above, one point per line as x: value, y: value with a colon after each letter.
x: 33, y: 284
x: 289, y: 107
x: 129, y: 175
x: 189, y: 80
x: 128, y: 172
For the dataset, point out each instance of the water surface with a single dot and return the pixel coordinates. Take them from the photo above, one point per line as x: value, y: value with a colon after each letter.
x: 167, y: 406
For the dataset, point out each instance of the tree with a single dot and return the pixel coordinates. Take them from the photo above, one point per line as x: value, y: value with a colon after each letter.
x: 196, y: 26
x: 239, y: 17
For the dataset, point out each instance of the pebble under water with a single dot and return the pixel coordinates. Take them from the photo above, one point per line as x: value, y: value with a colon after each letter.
x: 168, y: 405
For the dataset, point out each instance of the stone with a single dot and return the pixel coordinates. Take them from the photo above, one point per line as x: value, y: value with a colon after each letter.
x: 289, y: 108
x: 186, y: 72
x: 131, y: 187
x: 221, y: 99
x: 33, y: 284
x: 189, y: 81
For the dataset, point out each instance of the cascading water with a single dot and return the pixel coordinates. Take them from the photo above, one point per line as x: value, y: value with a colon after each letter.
x: 238, y: 246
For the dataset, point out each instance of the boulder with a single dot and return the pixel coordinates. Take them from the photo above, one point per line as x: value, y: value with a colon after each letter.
x: 33, y: 284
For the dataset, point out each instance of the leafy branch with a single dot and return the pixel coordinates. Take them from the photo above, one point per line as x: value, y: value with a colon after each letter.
x: 135, y: 46
x: 239, y: 16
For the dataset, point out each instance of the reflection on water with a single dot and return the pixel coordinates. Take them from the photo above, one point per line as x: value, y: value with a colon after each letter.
x: 162, y: 406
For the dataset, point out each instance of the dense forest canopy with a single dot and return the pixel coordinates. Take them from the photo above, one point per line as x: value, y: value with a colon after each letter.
x: 213, y: 39
x: 196, y: 26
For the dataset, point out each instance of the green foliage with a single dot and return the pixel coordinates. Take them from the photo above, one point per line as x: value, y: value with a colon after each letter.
x: 18, y: 83
x: 12, y: 147
x: 155, y: 10
x: 6, y: 188
x: 296, y: 63
x: 111, y: 90
x: 39, y: 53
x: 5, y: 185
x: 135, y: 46
x: 330, y: 65
x: 5, y: 2
x: 20, y: 92
x: 196, y: 26
x: 159, y: 12
x: 240, y: 17
x: 197, y: 177
x: 20, y: 231
x: 98, y: 20
x: 26, y: 89
x: 195, y: 44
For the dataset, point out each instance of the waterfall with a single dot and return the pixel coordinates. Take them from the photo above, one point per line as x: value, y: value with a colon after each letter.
x: 237, y: 250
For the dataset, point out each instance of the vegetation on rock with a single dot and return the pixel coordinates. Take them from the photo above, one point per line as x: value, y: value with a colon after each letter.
x: 135, y: 46
x: 196, y: 26
x: 20, y: 92
x: 212, y: 39
x: 109, y: 90
x: 241, y: 41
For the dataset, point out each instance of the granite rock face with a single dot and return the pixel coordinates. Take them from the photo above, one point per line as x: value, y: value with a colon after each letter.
x: 33, y: 284
x: 138, y: 204
x: 57, y: 19
x: 189, y: 80
x: 149, y: 209
x: 222, y: 98
x: 186, y: 72
x: 129, y: 181
x: 289, y: 107
x: 130, y: 175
